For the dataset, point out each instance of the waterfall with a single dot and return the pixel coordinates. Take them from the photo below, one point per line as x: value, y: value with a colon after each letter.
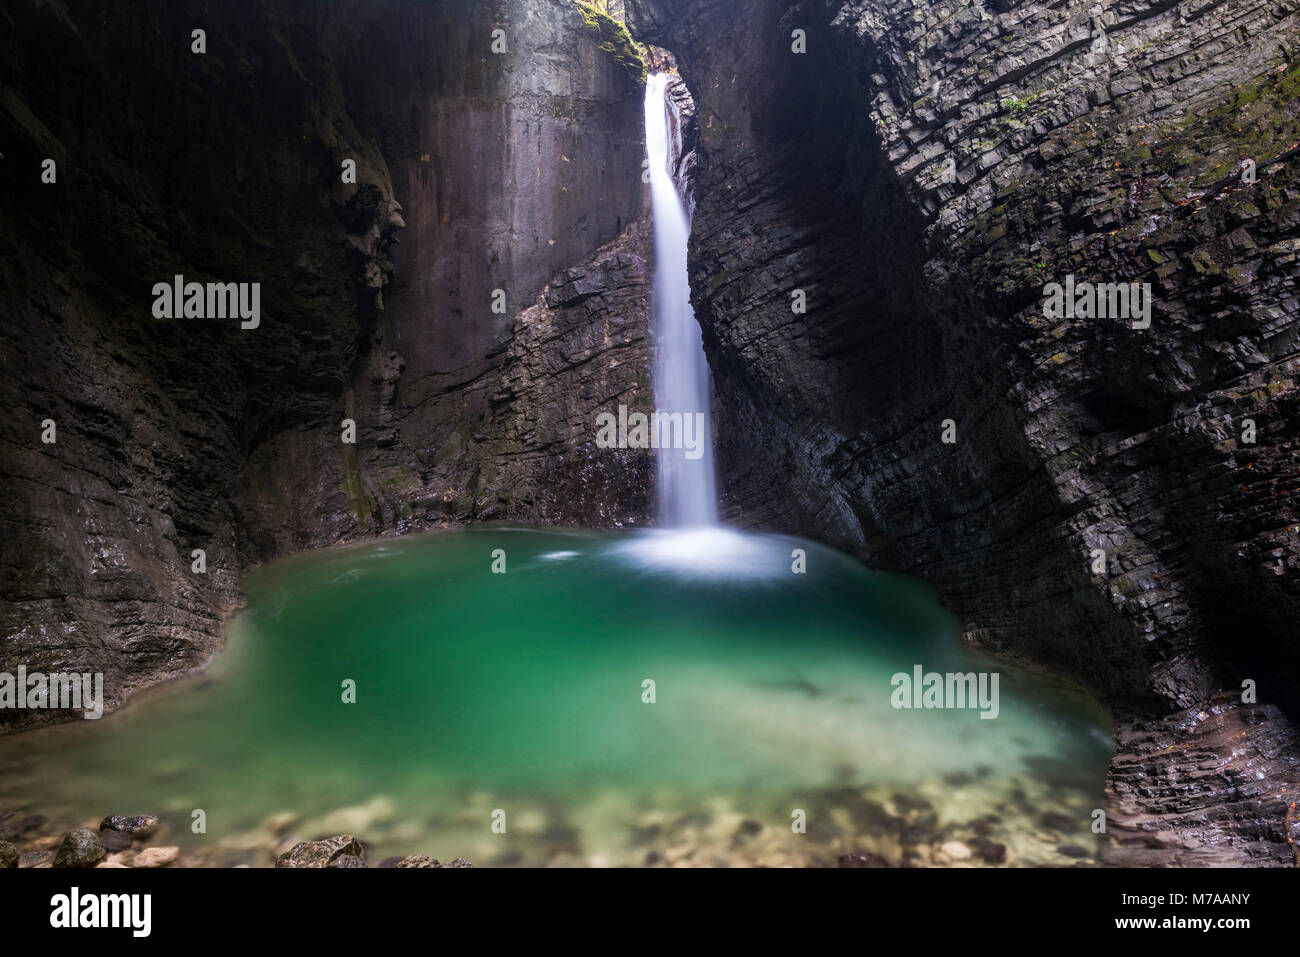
x: 687, y: 491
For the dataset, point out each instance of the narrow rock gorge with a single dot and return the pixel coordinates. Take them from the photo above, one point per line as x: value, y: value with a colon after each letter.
x: 1104, y: 141
x: 880, y: 195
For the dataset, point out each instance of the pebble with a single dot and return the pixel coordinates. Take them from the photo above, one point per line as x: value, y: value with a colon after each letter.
x: 956, y: 850
x: 156, y: 856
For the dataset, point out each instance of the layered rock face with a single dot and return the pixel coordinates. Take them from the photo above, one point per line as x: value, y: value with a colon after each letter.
x: 511, y: 167
x: 476, y: 170
x: 1104, y: 508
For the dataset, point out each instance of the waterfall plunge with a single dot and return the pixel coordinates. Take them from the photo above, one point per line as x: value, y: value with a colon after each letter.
x: 687, y: 491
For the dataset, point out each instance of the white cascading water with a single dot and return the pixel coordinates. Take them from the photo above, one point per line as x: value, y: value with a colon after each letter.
x: 687, y: 490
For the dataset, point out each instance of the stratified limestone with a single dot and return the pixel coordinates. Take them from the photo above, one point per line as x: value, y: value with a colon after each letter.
x: 828, y: 172
x: 1200, y: 788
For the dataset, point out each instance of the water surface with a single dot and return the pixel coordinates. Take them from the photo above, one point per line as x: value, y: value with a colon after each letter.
x: 524, y: 692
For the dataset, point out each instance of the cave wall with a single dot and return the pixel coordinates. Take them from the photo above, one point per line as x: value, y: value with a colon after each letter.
x: 176, y: 434
x: 823, y: 171
x: 512, y: 168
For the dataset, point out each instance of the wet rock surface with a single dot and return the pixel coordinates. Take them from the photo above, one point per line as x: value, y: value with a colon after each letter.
x: 138, y: 825
x: 828, y: 172
x: 80, y: 848
x: 1200, y: 788
x: 341, y: 851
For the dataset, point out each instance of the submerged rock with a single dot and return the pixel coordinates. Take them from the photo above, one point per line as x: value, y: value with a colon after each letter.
x: 358, y: 819
x: 36, y: 859
x: 343, y: 850
x: 8, y: 855
x: 864, y: 860
x: 16, y: 829
x: 80, y: 848
x: 1056, y: 821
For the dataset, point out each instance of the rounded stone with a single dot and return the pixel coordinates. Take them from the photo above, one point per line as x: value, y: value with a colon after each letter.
x: 79, y: 848
x: 955, y: 850
x: 156, y: 857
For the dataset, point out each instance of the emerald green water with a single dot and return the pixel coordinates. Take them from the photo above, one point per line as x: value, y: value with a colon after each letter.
x: 523, y: 692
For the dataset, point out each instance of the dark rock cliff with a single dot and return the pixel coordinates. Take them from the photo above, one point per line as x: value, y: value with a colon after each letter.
x: 1104, y: 141
x: 1094, y: 140
x: 476, y: 171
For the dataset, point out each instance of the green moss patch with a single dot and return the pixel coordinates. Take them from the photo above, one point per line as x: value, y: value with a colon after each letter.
x: 612, y: 37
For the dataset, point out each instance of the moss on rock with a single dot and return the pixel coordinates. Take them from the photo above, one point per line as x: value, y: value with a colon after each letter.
x: 613, y: 38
